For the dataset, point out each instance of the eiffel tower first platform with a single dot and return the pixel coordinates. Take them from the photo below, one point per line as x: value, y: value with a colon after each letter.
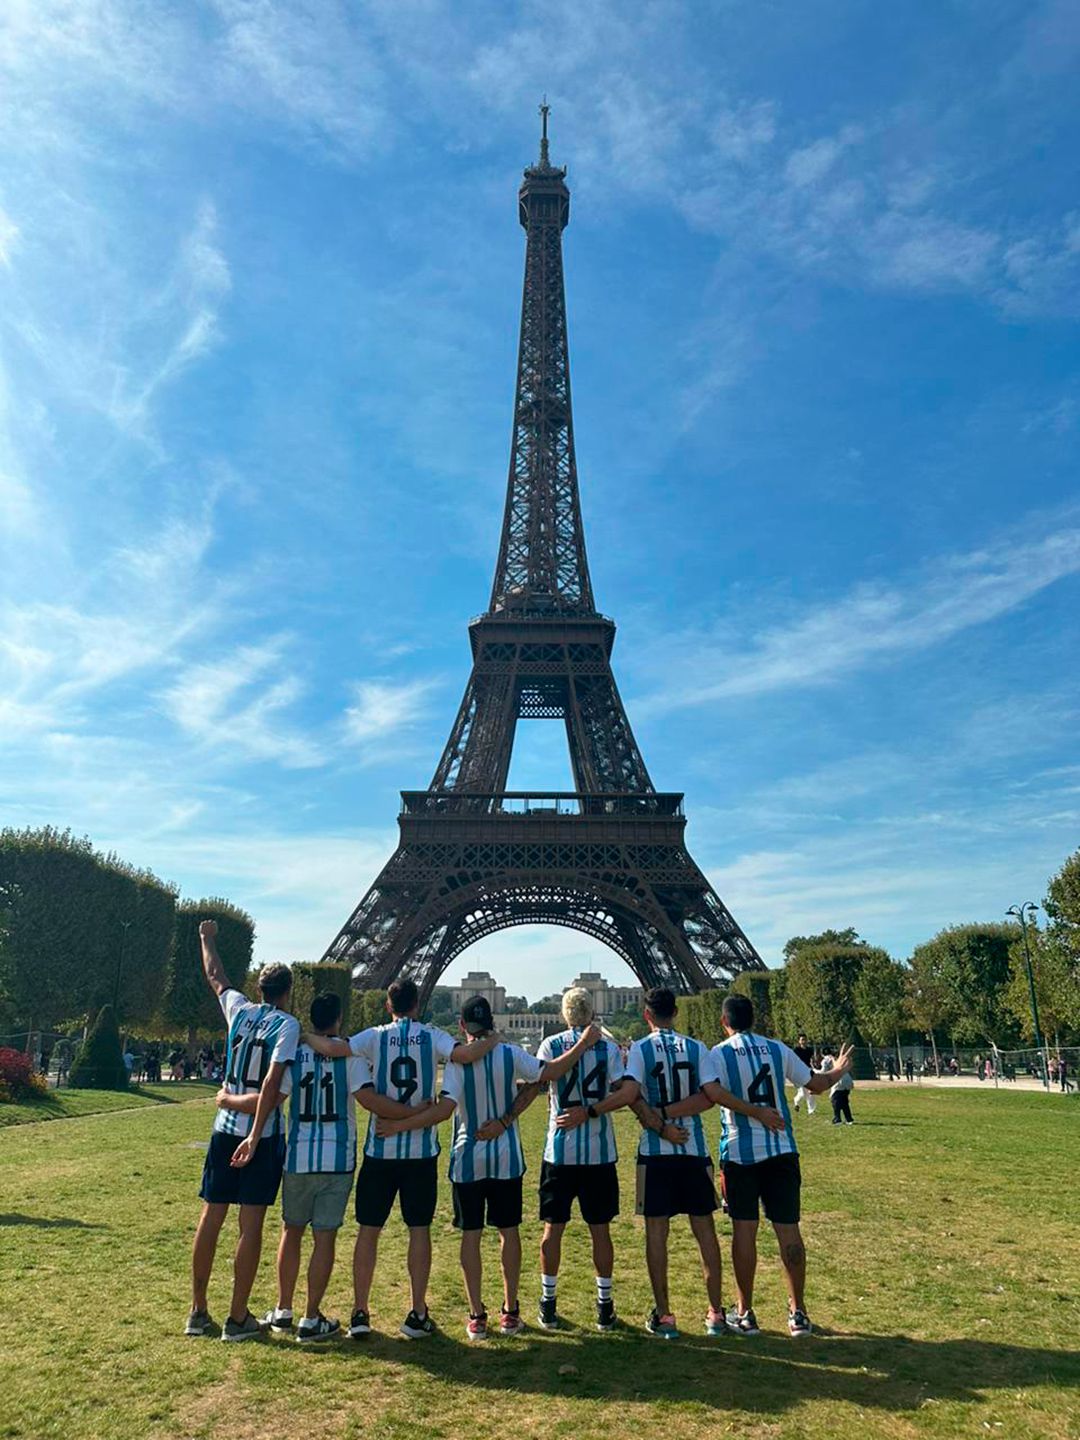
x: 608, y: 859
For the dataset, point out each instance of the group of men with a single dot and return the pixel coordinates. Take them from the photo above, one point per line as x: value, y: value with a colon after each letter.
x: 392, y: 1072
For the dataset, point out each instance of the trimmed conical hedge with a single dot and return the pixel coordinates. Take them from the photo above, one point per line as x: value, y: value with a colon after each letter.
x: 99, y: 1064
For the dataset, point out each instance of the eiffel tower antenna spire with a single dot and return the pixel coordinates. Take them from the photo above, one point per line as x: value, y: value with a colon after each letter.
x: 609, y: 858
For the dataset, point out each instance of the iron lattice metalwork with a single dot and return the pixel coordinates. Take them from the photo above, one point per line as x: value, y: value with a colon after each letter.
x: 609, y: 858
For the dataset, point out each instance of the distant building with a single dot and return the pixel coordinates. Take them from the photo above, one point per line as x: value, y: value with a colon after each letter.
x: 608, y: 999
x: 479, y: 982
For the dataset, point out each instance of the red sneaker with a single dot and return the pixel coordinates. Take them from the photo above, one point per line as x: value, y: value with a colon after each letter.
x: 476, y: 1328
x: 510, y: 1321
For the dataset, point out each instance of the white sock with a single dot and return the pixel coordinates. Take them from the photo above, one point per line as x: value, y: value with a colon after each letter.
x: 603, y: 1287
x: 547, y: 1286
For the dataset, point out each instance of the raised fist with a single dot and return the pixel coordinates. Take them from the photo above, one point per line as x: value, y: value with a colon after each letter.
x: 207, y: 929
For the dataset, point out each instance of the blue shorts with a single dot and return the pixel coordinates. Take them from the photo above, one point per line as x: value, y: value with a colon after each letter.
x: 253, y: 1184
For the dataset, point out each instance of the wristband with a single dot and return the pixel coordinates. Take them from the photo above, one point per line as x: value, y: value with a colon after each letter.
x: 590, y: 1110
x: 504, y: 1123
x: 663, y: 1115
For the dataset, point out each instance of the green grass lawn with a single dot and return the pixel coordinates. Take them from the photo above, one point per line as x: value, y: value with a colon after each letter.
x: 63, y: 1104
x: 945, y: 1277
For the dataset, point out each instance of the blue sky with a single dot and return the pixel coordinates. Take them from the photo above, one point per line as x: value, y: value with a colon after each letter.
x: 259, y: 286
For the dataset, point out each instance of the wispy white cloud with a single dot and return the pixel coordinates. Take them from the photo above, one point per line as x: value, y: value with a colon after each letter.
x: 238, y: 705
x: 874, y: 623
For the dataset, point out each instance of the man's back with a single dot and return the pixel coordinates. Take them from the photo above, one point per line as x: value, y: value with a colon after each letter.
x: 403, y: 1056
x: 258, y: 1035
x: 754, y: 1068
x: 590, y: 1080
x: 670, y: 1067
x: 322, y: 1113
x: 485, y: 1091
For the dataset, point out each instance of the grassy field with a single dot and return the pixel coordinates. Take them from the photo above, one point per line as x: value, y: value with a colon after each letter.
x: 64, y: 1104
x: 945, y: 1278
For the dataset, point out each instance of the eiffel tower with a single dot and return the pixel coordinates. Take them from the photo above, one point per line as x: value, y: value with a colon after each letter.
x: 608, y: 859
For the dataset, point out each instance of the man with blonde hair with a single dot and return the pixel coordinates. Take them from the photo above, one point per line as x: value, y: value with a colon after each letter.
x: 580, y: 1163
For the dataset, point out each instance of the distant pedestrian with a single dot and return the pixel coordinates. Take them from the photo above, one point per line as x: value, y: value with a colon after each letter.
x: 805, y: 1053
x: 1063, y: 1076
x: 840, y: 1094
x: 909, y: 1069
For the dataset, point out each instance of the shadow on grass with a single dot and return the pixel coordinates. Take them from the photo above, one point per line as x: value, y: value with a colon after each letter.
x: 768, y: 1375
x: 42, y: 1222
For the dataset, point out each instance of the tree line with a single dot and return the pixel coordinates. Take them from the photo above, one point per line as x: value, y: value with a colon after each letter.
x: 967, y: 985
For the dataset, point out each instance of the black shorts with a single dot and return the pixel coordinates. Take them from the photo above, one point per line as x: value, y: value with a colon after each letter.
x: 499, y: 1199
x: 674, y: 1185
x: 776, y: 1182
x: 253, y: 1184
x: 381, y: 1182
x: 594, y: 1187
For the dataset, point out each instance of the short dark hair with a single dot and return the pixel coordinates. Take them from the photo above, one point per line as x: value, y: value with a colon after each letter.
x: 738, y: 1012
x: 275, y: 981
x: 660, y: 1001
x: 325, y: 1010
x: 403, y: 996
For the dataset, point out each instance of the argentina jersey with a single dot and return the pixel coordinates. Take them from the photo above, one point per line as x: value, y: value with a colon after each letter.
x: 754, y: 1068
x: 259, y: 1035
x: 321, y: 1135
x: 485, y: 1091
x: 590, y: 1080
x: 669, y: 1067
x: 403, y: 1056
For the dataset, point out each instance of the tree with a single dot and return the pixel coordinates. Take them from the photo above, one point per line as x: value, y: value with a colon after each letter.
x: 880, y: 994
x: 846, y: 938
x: 699, y: 1016
x: 965, y: 969
x: 1057, y: 986
x: 369, y: 1008
x: 927, y: 1003
x: 99, y: 1065
x: 325, y: 977
x: 515, y: 1004
x: 549, y: 1005
x: 627, y: 1025
x: 757, y: 986
x: 189, y: 1004
x: 1062, y: 903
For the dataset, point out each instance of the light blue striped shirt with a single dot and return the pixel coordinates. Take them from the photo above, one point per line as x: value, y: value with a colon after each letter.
x: 590, y: 1080
x: 485, y: 1091
x: 321, y: 1136
x: 259, y: 1035
x: 403, y: 1057
x: 669, y: 1067
x: 754, y: 1068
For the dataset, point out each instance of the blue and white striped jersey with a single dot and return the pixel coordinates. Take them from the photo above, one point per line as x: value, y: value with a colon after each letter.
x: 403, y: 1056
x: 585, y: 1083
x: 321, y: 1135
x: 669, y: 1067
x: 755, y: 1068
x: 485, y: 1091
x: 258, y: 1035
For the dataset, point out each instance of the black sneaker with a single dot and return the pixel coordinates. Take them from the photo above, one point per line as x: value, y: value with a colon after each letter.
x: 605, y: 1315
x: 247, y: 1329
x: 280, y: 1321
x: 547, y: 1314
x: 798, y: 1323
x: 662, y: 1325
x: 360, y: 1324
x: 318, y: 1329
x: 418, y: 1327
x: 199, y: 1323
x: 742, y: 1322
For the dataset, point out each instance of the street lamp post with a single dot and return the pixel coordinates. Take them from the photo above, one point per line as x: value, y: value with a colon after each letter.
x: 1022, y: 914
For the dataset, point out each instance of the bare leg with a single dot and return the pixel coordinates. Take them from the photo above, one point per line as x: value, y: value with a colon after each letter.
x: 603, y: 1251
x: 472, y: 1269
x: 551, y: 1248
x: 793, y: 1259
x: 510, y: 1255
x: 319, y: 1267
x: 203, y: 1250
x: 656, y: 1258
x: 246, y: 1260
x: 419, y: 1266
x: 288, y: 1264
x: 744, y: 1260
x: 367, y: 1248
x: 705, y: 1234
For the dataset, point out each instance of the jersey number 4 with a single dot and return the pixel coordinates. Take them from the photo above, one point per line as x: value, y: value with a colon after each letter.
x: 592, y: 1088
x: 762, y: 1091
